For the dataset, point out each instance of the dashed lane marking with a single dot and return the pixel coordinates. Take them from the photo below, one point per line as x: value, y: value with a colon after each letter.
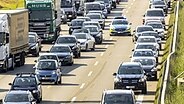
x: 82, y: 86
x: 90, y: 73
x: 96, y: 63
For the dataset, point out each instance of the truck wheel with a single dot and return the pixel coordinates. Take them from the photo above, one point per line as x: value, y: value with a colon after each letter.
x: 13, y: 64
x: 23, y: 59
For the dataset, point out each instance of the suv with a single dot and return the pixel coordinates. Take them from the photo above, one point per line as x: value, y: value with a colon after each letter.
x: 72, y: 42
x: 130, y: 75
x: 118, y: 96
x: 28, y: 81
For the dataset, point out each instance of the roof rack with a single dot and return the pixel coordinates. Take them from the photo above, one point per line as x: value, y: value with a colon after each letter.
x: 25, y: 73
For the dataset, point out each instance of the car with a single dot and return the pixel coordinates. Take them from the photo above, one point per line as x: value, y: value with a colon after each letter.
x: 84, y: 18
x: 152, y: 33
x: 139, y: 29
x: 48, y: 70
x: 96, y: 33
x: 118, y: 97
x: 149, y: 39
x: 154, y: 14
x: 120, y: 17
x: 81, y: 31
x: 28, y: 81
x: 104, y: 10
x: 75, y: 24
x: 160, y: 4
x: 92, y: 23
x: 64, y: 53
x: 97, y: 17
x: 72, y: 42
x: 158, y: 27
x: 52, y: 56
x: 151, y: 46
x: 130, y: 75
x: 120, y: 27
x: 108, y: 4
x: 18, y: 97
x: 86, y: 40
x: 100, y: 12
x: 143, y: 53
x: 33, y: 46
x: 91, y: 6
x: 149, y: 66
x: 39, y: 40
x: 63, y: 16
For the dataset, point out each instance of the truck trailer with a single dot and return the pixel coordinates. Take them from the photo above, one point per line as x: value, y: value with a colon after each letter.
x: 13, y: 38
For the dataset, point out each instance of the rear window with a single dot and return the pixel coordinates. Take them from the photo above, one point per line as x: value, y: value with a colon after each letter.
x: 155, y: 13
x: 134, y: 69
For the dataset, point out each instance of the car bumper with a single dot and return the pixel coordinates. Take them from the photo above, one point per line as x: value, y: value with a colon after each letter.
x: 135, y: 86
x: 47, y: 79
x: 120, y: 33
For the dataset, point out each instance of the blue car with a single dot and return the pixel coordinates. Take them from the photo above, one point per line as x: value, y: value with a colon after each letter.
x: 120, y: 27
x: 48, y: 71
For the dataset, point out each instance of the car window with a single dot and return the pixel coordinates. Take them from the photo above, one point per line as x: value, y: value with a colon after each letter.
x: 77, y: 23
x: 92, y: 29
x: 118, y: 99
x: 116, y: 22
x: 46, y: 65
x: 24, y: 81
x: 142, y: 53
x: 151, y: 34
x: 93, y: 7
x: 16, y: 98
x: 60, y: 49
x: 146, y: 47
x: 145, y: 61
x: 94, y: 16
x: 32, y: 40
x: 155, y: 13
x: 155, y: 25
x: 147, y: 40
x: 80, y: 36
x: 158, y: 3
x: 142, y: 29
x: 66, y: 40
x: 129, y: 70
x: 48, y: 57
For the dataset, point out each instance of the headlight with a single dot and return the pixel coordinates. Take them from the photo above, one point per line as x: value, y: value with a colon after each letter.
x: 154, y: 69
x: 35, y: 91
x: 141, y: 80
x: 54, y: 72
x: 117, y: 79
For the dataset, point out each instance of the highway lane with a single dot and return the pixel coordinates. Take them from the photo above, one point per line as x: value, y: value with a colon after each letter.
x: 84, y: 82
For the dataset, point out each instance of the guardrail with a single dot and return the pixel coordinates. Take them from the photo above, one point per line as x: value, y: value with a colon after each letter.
x: 166, y: 72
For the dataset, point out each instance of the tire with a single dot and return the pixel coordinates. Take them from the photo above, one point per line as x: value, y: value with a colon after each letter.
x: 86, y: 47
x: 18, y: 64
x: 5, y: 67
x: 56, y: 83
x: 59, y: 82
x: 144, y: 90
x: 93, y: 49
x: 22, y: 59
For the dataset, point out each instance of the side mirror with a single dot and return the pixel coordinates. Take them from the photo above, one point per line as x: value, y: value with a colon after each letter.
x: 144, y: 15
x: 78, y: 42
x: 101, y: 30
x: 134, y: 31
x: 1, y: 100
x: 132, y: 49
x: 34, y: 67
x: 130, y: 23
x: 69, y: 24
x: 9, y: 83
x: 35, y: 61
x: 130, y: 56
x: 39, y: 83
x: 47, y: 51
x: 114, y: 74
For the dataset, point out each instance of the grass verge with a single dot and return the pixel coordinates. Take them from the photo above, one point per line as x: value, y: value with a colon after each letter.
x: 165, y: 53
x: 175, y: 94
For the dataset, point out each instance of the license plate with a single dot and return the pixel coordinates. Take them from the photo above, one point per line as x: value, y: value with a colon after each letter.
x: 130, y: 86
x: 69, y: 15
x: 45, y: 78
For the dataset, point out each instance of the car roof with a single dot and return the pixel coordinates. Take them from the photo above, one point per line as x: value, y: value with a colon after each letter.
x: 154, y: 23
x: 118, y: 91
x: 93, y: 13
x: 82, y: 17
x: 42, y: 54
x: 146, y: 37
x: 145, y: 44
x: 60, y: 45
x: 47, y: 60
x: 143, y: 26
x: 142, y: 50
x: 18, y: 92
x: 92, y: 3
x: 130, y: 63
x: 149, y: 32
x: 32, y: 36
x: 91, y: 22
x: 66, y: 36
x: 155, y: 9
x: 77, y: 19
x: 32, y: 33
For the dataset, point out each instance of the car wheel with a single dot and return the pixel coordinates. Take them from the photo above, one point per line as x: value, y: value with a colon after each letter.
x: 86, y: 47
x: 155, y: 77
x: 93, y: 49
x: 79, y: 54
x: 144, y: 90
x: 59, y: 82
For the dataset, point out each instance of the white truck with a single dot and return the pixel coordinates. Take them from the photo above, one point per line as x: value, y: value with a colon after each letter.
x: 13, y: 38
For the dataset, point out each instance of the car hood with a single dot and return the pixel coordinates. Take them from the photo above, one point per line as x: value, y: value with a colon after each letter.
x: 130, y: 76
x: 16, y: 103
x: 24, y: 88
x: 82, y: 40
x: 67, y: 9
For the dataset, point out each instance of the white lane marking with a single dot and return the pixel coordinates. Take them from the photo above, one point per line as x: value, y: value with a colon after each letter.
x: 126, y: 11
x: 111, y: 38
x: 82, y: 86
x: 90, y: 73
x: 140, y: 99
x: 73, y: 99
x: 129, y: 7
x: 132, y: 3
x: 96, y: 63
x: 133, y: 0
x: 102, y: 54
x: 106, y: 46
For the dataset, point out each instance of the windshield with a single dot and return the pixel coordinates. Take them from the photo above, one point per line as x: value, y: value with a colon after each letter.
x: 80, y: 36
x: 40, y: 15
x: 60, y: 49
x: 130, y: 70
x: 146, y: 40
x: 155, y: 13
x: 54, y: 57
x: 118, y: 99
x: 119, y: 22
x: 142, y: 53
x: 66, y: 40
x: 158, y: 3
x: 80, y: 31
x: 145, y: 61
x: 94, y: 16
x: 24, y: 81
x: 16, y: 98
x: 93, y: 7
x: 46, y: 65
x: 146, y: 47
x: 159, y: 26
x: 77, y: 23
x: 92, y: 29
x: 32, y: 40
x: 142, y: 29
x: 151, y: 34
x: 2, y: 38
x: 66, y: 4
x: 96, y: 24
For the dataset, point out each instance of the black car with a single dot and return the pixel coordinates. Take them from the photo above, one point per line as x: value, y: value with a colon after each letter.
x: 130, y: 75
x: 28, y: 81
x: 75, y: 24
x: 34, y: 48
x: 71, y: 41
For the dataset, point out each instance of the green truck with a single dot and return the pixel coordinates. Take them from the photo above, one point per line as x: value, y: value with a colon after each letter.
x: 42, y: 19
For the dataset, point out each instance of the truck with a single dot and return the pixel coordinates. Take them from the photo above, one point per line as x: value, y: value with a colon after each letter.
x: 14, y: 44
x: 69, y: 6
x: 42, y: 19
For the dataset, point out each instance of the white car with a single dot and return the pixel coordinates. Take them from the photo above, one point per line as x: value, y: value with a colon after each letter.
x: 86, y: 41
x: 148, y: 39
